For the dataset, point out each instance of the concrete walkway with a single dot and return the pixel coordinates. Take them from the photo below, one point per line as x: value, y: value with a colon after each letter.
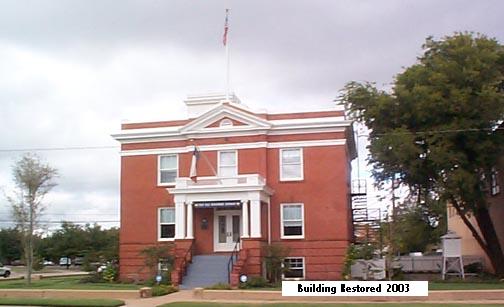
x: 188, y: 295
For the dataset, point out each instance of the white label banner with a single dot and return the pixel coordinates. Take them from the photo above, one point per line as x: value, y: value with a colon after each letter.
x: 355, y: 288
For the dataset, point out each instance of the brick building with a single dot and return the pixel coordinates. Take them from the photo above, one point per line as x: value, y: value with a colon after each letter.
x: 261, y: 179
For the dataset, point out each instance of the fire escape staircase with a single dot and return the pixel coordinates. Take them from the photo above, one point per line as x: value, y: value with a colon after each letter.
x: 366, y: 222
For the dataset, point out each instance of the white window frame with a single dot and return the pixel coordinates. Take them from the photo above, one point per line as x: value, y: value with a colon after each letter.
x: 159, y: 170
x: 282, y: 178
x: 226, y: 122
x: 219, y: 163
x: 282, y: 236
x: 159, y: 223
x: 295, y: 278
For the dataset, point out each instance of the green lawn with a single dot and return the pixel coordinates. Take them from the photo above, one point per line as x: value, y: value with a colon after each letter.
x: 465, y: 285
x: 201, y: 304
x: 65, y: 283
x: 60, y: 302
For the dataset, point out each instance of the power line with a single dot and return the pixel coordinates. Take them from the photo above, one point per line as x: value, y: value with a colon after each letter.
x: 63, y: 221
x: 58, y: 148
x: 377, y: 134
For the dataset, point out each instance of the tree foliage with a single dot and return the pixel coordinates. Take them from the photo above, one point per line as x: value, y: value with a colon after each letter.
x: 33, y: 180
x: 10, y: 245
x: 436, y: 130
x: 90, y: 241
x: 418, y: 228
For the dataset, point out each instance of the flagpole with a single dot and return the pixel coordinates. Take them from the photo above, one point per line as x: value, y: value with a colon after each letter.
x: 226, y: 44
x: 227, y: 71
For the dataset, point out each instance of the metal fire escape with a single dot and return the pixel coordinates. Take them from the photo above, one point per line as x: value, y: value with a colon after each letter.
x: 366, y: 222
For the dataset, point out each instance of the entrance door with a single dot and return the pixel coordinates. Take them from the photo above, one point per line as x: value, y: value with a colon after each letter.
x: 226, y: 230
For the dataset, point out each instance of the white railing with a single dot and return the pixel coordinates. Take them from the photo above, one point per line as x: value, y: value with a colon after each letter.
x: 214, y: 181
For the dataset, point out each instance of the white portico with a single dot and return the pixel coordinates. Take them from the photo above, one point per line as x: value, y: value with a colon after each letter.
x: 236, y: 202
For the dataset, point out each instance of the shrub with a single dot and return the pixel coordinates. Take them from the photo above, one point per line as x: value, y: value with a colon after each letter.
x: 110, y: 273
x: 92, y: 278
x: 160, y: 290
x: 255, y: 282
x: 275, y: 255
x: 219, y: 286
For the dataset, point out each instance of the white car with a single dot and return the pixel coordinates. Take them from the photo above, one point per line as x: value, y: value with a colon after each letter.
x: 4, y: 271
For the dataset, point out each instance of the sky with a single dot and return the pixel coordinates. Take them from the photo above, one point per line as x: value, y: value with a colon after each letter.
x: 71, y: 71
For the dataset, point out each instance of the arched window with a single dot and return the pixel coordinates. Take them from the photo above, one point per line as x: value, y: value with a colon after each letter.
x: 226, y: 122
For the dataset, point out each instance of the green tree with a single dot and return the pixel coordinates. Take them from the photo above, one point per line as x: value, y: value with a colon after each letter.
x: 436, y: 131
x: 417, y: 228
x: 10, y: 245
x: 33, y: 180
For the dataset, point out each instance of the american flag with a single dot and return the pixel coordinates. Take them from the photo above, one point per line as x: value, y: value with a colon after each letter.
x: 193, y: 174
x: 226, y: 27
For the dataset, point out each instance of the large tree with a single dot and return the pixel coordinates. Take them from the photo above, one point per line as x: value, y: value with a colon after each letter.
x: 33, y: 179
x: 437, y: 130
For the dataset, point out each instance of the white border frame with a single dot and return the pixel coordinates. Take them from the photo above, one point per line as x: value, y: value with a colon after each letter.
x: 218, y: 161
x: 164, y: 184
x: 304, y: 269
x: 284, y: 237
x: 281, y: 164
x: 159, y: 224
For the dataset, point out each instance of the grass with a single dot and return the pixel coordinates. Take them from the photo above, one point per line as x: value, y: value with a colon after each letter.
x: 209, y: 304
x: 60, y: 302
x: 65, y: 283
x: 465, y: 285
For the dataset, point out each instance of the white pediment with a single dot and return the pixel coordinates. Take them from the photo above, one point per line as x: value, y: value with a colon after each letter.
x: 209, y: 121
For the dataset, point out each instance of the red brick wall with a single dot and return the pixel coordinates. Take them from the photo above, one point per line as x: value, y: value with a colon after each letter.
x: 323, y: 191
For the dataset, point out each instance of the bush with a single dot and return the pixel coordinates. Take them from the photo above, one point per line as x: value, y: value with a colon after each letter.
x: 219, y: 286
x: 274, y: 258
x: 160, y: 290
x: 255, y: 282
x: 92, y: 278
x: 110, y: 273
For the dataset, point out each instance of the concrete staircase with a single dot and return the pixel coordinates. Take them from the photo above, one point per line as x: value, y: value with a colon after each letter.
x: 206, y: 270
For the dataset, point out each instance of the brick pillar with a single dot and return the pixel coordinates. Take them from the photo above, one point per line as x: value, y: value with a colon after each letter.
x: 253, y: 265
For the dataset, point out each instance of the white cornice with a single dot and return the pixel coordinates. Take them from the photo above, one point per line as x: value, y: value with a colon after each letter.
x: 235, y: 146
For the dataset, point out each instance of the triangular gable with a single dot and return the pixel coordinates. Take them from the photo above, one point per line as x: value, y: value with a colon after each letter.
x: 210, y: 120
x: 233, y: 122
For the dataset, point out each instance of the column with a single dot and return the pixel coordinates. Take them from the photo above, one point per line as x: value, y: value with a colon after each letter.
x: 245, y: 219
x: 189, y: 221
x: 255, y: 218
x: 179, y: 220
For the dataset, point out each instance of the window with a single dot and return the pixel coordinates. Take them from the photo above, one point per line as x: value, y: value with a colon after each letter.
x: 225, y: 122
x: 495, y: 188
x: 292, y: 216
x: 168, y: 169
x: 228, y: 163
x: 166, y: 224
x: 291, y: 164
x: 295, y: 268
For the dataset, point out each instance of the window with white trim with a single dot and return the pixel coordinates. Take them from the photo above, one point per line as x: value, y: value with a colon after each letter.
x: 225, y: 122
x: 291, y: 164
x: 495, y: 187
x: 228, y: 163
x: 168, y: 169
x: 294, y: 268
x: 292, y: 221
x: 166, y: 218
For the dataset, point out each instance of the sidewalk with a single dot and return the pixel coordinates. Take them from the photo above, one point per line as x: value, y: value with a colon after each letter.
x: 188, y: 295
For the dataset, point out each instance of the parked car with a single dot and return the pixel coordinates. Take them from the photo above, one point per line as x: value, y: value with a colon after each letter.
x: 17, y: 262
x: 47, y: 262
x: 65, y: 261
x: 78, y: 261
x: 4, y: 271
